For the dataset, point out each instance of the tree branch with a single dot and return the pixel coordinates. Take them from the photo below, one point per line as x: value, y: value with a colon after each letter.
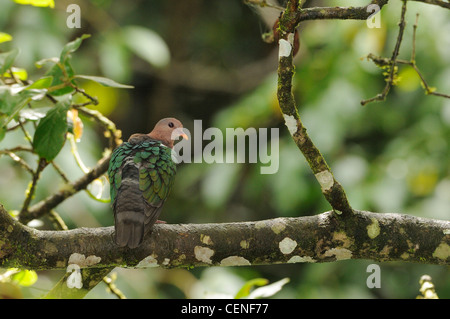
x: 321, y: 238
x: 435, y: 2
x: 340, y: 13
x: 331, y: 189
x: 65, y: 192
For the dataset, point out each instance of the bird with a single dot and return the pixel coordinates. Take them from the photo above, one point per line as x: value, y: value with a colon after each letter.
x: 141, y: 174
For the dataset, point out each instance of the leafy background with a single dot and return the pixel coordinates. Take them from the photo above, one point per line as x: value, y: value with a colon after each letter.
x: 203, y: 60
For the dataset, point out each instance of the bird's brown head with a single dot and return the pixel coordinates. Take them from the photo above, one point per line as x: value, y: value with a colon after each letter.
x: 167, y: 131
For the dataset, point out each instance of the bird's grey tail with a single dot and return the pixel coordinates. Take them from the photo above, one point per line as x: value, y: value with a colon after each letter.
x: 129, y: 229
x: 129, y: 209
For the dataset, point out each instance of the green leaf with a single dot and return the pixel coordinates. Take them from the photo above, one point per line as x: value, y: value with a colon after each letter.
x: 4, y: 37
x: 37, y: 3
x: 11, y: 102
x: 245, y: 290
x: 40, y: 63
x: 59, y: 78
x: 51, y: 131
x: 8, y: 100
x: 7, y: 59
x: 62, y: 72
x: 25, y: 277
x: 269, y: 290
x: 42, y: 83
x: 72, y: 47
x: 104, y: 81
x: 20, y: 73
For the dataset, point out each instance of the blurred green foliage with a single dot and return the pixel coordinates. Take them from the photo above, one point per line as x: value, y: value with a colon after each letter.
x: 203, y: 60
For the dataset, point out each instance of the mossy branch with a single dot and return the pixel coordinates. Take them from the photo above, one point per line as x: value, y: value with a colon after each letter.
x: 319, y: 238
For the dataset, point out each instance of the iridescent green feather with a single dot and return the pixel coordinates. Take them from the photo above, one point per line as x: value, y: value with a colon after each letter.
x: 156, y: 169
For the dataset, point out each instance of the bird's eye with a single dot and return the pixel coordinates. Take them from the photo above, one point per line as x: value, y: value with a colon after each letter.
x: 170, y: 124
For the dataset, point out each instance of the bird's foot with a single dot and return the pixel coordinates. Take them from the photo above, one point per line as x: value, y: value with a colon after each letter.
x: 160, y: 222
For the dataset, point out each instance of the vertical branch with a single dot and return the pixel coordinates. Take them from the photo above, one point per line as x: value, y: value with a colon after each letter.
x: 32, y: 188
x: 331, y: 189
x: 413, y: 54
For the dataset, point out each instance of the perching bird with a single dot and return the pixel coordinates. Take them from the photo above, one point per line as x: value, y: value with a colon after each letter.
x: 141, y: 173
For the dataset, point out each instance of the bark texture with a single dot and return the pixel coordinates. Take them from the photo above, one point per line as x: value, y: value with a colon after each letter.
x: 326, y: 237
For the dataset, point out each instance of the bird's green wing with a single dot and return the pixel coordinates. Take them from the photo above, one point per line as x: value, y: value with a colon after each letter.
x: 156, y: 173
x: 116, y: 162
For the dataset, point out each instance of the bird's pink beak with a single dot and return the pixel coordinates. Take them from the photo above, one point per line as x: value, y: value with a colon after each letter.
x: 179, y: 132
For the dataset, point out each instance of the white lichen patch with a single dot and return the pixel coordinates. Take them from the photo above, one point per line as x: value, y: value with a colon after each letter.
x: 339, y: 253
x: 148, y: 262
x: 260, y: 224
x: 82, y: 261
x: 92, y: 260
x: 300, y: 259
x: 235, y: 261
x: 290, y: 38
x: 244, y: 244
x: 442, y: 251
x: 203, y: 254
x: 325, y: 179
x: 291, y: 123
x: 76, y: 258
x: 287, y: 245
x: 278, y: 225
x: 285, y: 48
x: 373, y: 230
x: 206, y: 239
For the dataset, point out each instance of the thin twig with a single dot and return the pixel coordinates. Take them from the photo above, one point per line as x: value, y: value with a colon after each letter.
x: 19, y: 160
x: 111, y: 131
x: 392, y: 62
x: 32, y: 188
x: 413, y: 54
x: 60, y: 171
x: 92, y: 99
x: 109, y: 281
x: 383, y: 62
x: 66, y: 191
x: 57, y: 221
x: 25, y: 132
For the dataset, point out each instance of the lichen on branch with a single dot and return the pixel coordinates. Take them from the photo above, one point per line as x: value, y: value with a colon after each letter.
x: 315, y: 239
x: 331, y: 189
